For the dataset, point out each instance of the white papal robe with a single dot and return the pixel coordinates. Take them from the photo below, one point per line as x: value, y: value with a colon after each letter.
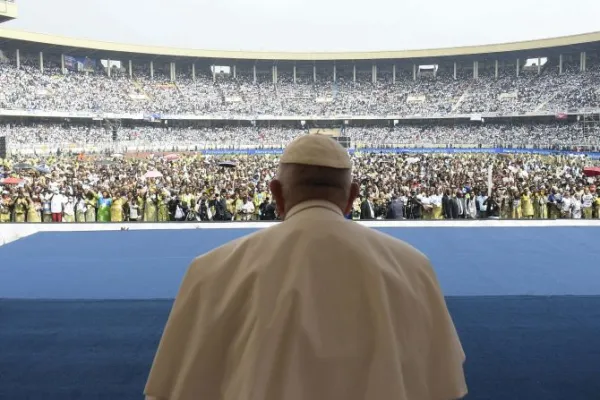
x: 314, y: 308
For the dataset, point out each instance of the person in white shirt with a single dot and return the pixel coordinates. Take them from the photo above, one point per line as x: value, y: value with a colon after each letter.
x: 576, y: 207
x: 299, y: 311
x: 247, y: 209
x: 587, y: 203
x: 566, y: 205
x: 57, y: 201
x: 471, y: 206
x: 482, y: 205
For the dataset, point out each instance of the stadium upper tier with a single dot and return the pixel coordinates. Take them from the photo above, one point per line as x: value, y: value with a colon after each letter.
x: 52, y: 74
x: 28, y: 88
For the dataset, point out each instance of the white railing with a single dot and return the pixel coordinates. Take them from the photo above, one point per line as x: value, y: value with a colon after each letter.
x: 153, y: 147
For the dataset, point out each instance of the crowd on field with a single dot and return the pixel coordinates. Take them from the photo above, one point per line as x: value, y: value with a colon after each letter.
x: 191, y: 187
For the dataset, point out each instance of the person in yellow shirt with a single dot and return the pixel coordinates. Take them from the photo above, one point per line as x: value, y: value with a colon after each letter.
x: 34, y: 209
x: 5, y: 207
x: 526, y: 205
x: 540, y: 207
x: 91, y: 201
x: 597, y: 203
x: 587, y: 203
x: 515, y: 211
x: 20, y: 207
x: 162, y: 206
x: 238, y: 203
x: 116, y: 209
x: 230, y: 204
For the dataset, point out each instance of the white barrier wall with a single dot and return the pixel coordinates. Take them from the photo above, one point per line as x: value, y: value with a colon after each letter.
x: 14, y: 231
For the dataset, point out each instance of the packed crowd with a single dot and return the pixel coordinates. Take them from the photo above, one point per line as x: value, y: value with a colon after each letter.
x: 27, y: 88
x: 190, y: 187
x: 162, y: 137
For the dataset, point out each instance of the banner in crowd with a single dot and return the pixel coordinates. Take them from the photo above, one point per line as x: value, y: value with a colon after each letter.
x: 80, y: 64
x: 152, y: 117
x: 278, y: 151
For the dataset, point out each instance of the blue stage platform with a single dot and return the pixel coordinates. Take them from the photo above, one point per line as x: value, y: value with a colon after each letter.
x: 82, y: 312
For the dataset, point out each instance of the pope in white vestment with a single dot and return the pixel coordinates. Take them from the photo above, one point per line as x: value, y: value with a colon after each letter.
x: 316, y: 307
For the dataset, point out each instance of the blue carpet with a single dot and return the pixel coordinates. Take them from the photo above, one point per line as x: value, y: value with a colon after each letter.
x: 518, y: 346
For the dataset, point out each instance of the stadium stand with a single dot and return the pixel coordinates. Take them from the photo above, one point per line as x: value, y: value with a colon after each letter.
x: 109, y: 132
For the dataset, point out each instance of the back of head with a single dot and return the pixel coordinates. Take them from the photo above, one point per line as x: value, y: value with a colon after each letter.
x: 314, y: 167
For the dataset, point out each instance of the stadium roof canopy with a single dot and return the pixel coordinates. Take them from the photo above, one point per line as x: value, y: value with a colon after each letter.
x: 36, y: 42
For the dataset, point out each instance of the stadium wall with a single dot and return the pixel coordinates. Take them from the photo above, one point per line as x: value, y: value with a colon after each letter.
x: 147, y: 148
x: 10, y: 232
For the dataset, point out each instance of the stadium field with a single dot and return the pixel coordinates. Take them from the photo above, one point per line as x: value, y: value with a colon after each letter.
x: 82, y: 312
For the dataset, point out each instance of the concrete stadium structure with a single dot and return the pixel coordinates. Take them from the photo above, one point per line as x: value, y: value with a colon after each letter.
x: 558, y: 50
x: 471, y: 62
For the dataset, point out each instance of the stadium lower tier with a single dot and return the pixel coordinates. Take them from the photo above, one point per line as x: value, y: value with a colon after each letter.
x: 98, y: 136
x: 82, y: 313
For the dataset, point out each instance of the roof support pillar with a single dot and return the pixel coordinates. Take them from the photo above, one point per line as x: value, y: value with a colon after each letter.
x: 62, y: 60
x: 62, y: 65
x: 234, y: 72
x: 454, y: 70
x: 18, y: 58
x: 414, y: 72
x: 374, y: 73
x: 560, y: 64
x: 254, y: 73
x: 475, y: 69
x: 496, y: 69
x: 274, y: 74
x: 294, y: 74
x: 334, y: 72
x: 194, y: 72
x: 314, y: 72
x: 539, y: 65
x: 394, y: 74
x: 354, y: 73
x: 582, y: 59
x: 173, y: 70
x: 41, y: 62
x: 518, y: 67
x: 151, y: 69
x: 130, y: 69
